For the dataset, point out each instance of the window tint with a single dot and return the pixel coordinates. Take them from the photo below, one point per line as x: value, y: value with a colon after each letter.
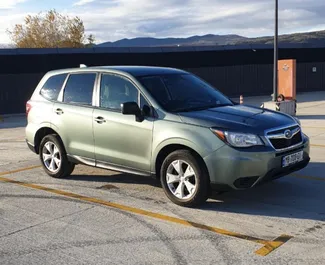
x: 183, y: 92
x: 79, y: 89
x: 157, y: 88
x: 115, y: 90
x: 52, y: 87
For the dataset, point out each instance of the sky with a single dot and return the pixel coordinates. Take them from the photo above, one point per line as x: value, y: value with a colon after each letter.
x: 111, y: 20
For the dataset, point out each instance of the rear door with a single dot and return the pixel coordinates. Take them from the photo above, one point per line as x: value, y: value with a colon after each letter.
x: 40, y: 112
x: 73, y: 116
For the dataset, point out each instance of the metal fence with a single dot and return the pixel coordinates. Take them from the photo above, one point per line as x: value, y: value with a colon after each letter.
x: 246, y: 71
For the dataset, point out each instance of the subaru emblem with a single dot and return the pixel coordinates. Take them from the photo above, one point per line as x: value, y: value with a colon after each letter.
x: 287, y: 134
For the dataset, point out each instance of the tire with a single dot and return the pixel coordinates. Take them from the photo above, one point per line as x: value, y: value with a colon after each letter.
x: 54, y: 158
x: 185, y: 195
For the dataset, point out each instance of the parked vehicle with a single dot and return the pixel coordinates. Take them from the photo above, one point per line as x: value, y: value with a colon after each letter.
x: 160, y: 122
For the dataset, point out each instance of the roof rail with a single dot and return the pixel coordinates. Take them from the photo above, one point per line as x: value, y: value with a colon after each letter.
x: 82, y: 66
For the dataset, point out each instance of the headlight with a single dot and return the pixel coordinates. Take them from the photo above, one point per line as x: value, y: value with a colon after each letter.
x: 238, y: 139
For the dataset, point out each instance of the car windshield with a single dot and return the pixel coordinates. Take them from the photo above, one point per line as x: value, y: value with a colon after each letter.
x: 183, y: 92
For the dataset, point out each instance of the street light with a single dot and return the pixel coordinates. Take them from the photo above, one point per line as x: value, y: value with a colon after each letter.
x: 275, y: 70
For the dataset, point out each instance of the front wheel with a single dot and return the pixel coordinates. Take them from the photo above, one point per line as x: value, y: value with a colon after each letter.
x: 184, y: 179
x: 53, y: 157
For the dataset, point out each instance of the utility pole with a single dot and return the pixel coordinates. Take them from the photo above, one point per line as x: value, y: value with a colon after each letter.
x: 275, y: 70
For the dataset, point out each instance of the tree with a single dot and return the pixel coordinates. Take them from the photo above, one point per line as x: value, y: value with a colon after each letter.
x: 91, y: 41
x: 50, y: 30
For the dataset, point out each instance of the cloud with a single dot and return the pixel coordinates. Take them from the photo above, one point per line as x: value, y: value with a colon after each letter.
x: 110, y: 20
x: 7, y: 23
x: 8, y: 4
x: 83, y: 2
x: 116, y: 19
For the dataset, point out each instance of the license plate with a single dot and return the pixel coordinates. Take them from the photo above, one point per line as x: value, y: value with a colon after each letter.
x: 292, y: 159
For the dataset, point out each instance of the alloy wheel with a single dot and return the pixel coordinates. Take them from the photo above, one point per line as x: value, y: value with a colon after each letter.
x: 51, y: 157
x: 181, y: 179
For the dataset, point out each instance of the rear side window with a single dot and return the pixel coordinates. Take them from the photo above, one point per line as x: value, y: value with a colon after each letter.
x: 52, y: 87
x: 79, y: 89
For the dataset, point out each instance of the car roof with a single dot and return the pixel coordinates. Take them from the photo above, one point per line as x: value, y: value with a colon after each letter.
x: 142, y: 70
x: 132, y: 70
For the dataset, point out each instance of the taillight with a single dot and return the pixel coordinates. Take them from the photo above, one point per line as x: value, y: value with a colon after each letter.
x: 28, y: 107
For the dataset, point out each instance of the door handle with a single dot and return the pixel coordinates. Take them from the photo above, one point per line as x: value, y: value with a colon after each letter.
x: 59, y: 111
x: 100, y: 120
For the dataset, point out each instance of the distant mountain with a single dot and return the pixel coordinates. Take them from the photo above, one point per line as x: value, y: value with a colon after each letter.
x: 212, y: 40
x: 315, y: 37
x: 6, y: 46
x: 305, y: 37
x: 191, y: 41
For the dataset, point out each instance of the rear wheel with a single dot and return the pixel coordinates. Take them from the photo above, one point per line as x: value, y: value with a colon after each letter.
x: 185, y: 179
x: 54, y: 158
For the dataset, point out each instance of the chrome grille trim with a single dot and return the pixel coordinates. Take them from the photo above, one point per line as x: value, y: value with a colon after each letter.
x: 268, y: 136
x: 282, y: 135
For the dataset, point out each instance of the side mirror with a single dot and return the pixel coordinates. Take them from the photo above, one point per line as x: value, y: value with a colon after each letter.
x: 132, y: 108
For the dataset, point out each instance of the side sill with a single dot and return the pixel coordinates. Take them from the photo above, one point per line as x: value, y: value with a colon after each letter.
x: 105, y: 165
x: 117, y: 168
x: 82, y: 160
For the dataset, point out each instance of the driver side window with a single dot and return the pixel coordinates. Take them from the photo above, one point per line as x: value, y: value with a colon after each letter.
x: 116, y: 90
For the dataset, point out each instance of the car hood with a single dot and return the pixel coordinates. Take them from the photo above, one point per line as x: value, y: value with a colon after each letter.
x: 238, y: 118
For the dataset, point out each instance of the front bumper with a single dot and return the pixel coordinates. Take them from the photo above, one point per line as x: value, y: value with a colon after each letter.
x: 233, y: 169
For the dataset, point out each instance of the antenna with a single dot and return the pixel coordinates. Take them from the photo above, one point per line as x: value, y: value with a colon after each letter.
x: 83, y: 65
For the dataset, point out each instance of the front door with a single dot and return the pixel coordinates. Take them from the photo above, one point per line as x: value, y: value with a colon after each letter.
x: 119, y: 139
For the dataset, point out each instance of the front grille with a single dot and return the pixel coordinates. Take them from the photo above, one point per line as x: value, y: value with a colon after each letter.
x: 285, y: 143
x: 279, y: 141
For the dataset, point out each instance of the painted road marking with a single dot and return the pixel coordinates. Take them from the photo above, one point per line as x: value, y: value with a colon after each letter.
x: 308, y: 177
x: 272, y: 245
x: 313, y: 127
x: 18, y: 170
x: 318, y: 145
x: 268, y: 247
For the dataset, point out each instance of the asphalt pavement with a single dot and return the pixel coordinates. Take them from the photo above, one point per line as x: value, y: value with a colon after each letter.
x: 102, y: 217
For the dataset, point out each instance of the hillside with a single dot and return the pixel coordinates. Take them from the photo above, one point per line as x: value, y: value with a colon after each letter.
x: 306, y: 37
x: 191, y: 41
x: 212, y: 40
x: 6, y: 46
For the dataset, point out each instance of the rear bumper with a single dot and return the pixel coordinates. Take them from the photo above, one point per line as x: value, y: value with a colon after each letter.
x: 31, y: 147
x: 232, y: 169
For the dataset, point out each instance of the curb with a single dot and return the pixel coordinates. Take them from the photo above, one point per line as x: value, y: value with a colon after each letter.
x: 12, y: 115
x: 6, y: 116
x: 2, y: 116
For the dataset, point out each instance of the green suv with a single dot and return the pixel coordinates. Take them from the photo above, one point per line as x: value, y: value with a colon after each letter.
x: 160, y: 122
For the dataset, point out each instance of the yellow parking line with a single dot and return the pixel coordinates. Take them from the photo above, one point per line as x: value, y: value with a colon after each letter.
x: 318, y: 145
x: 268, y: 247
x: 308, y: 177
x: 313, y: 127
x: 272, y: 245
x: 18, y: 170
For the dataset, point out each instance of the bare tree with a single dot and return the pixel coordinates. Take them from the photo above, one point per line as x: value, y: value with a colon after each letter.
x: 50, y: 30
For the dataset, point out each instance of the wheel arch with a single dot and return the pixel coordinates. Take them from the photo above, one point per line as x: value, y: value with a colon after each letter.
x: 169, y: 147
x: 41, y: 133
